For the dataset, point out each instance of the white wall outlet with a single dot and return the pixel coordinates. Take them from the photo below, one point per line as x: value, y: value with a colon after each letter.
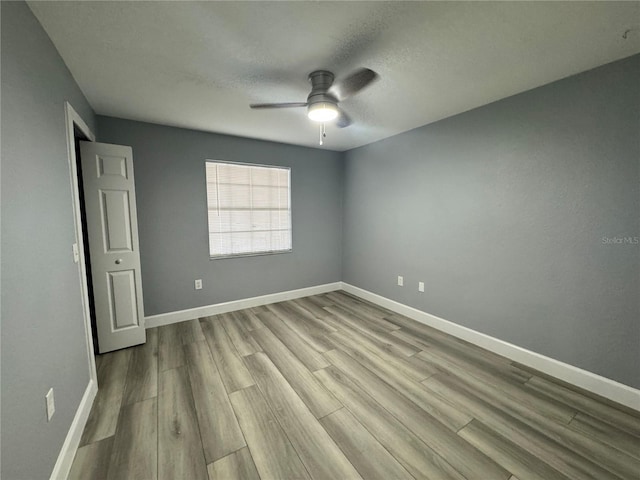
x: 198, y: 284
x: 51, y: 404
x: 400, y: 281
x: 421, y: 287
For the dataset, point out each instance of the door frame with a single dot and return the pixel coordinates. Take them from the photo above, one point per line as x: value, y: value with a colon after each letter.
x: 72, y: 118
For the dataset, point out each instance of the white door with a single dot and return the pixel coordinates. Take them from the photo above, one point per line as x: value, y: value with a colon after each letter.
x: 112, y: 227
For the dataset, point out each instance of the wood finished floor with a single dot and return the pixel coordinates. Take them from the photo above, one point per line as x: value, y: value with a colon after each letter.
x: 333, y: 387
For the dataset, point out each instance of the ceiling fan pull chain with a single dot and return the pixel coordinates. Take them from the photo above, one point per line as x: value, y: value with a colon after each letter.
x: 323, y: 133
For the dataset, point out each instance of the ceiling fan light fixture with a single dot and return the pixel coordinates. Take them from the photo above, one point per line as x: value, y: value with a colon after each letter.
x: 322, y: 112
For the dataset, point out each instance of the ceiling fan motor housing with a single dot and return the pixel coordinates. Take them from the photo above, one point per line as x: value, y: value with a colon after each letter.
x: 321, y: 80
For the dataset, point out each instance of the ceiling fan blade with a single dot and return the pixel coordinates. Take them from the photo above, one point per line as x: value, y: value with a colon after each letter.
x: 343, y: 119
x: 278, y: 105
x: 353, y: 83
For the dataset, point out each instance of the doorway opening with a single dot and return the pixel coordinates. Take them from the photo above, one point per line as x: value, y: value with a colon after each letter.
x: 78, y: 136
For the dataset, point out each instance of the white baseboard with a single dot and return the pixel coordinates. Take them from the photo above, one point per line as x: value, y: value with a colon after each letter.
x: 617, y: 392
x: 182, y: 315
x: 68, y: 452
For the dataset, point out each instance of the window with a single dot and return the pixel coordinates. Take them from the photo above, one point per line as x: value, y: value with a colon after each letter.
x: 249, y: 209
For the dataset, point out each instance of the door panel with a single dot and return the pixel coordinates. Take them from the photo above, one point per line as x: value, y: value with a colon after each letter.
x: 112, y: 228
x: 114, y: 166
x: 115, y: 208
x: 122, y: 296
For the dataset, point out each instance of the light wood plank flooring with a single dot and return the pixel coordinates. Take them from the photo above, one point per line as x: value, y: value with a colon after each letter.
x: 333, y: 387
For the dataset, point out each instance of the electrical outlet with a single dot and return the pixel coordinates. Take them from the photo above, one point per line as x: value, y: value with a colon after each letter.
x: 198, y: 284
x: 421, y: 287
x: 51, y: 404
x: 400, y: 281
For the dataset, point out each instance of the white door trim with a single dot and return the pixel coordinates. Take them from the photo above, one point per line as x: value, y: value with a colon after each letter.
x: 72, y: 117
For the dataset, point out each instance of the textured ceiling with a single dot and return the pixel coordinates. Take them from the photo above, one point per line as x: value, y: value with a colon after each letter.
x: 200, y: 64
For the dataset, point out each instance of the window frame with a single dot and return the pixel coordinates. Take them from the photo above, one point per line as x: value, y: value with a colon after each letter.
x: 248, y: 254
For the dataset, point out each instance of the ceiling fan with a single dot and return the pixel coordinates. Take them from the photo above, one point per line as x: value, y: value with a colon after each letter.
x: 322, y: 102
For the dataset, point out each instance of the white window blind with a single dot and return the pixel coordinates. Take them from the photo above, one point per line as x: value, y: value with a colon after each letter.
x: 249, y: 209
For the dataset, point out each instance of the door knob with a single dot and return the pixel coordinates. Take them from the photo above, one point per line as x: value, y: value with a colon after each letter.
x: 118, y: 261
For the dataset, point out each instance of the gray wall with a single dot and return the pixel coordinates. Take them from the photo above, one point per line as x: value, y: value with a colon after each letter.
x: 502, y: 211
x: 172, y: 216
x: 43, y: 340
